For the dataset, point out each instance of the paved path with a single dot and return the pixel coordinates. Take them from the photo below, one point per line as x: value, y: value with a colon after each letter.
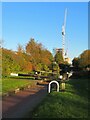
x: 18, y: 105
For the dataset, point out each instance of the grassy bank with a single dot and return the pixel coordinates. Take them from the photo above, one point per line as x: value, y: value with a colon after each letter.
x: 73, y: 103
x: 10, y: 83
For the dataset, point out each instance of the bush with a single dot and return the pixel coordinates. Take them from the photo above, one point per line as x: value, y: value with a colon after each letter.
x: 81, y: 74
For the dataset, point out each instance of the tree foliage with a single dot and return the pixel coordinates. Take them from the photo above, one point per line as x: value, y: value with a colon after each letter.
x: 8, y: 62
x: 41, y: 58
x: 75, y: 62
x: 58, y: 58
x: 34, y: 57
x: 83, y: 60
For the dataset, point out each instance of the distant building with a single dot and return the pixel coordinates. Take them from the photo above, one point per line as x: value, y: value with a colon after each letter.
x: 59, y: 50
x: 68, y: 60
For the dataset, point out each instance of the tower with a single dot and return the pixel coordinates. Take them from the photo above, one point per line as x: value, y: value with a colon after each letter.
x: 63, y: 34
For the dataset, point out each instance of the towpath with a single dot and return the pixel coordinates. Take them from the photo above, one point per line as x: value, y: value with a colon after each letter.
x: 18, y: 105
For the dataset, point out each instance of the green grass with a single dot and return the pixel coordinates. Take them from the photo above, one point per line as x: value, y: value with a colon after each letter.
x: 73, y: 103
x: 10, y: 84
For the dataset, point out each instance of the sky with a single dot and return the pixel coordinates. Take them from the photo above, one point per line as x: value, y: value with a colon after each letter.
x: 45, y: 0
x: 43, y: 21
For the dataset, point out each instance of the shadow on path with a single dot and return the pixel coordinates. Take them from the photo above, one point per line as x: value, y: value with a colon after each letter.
x: 24, y: 101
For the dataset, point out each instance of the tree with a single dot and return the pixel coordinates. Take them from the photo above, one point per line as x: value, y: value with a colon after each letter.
x: 20, y: 48
x: 84, y: 58
x: 75, y: 62
x: 46, y: 57
x: 15, y: 62
x: 83, y: 61
x: 8, y: 62
x: 34, y: 49
x: 35, y: 57
x: 41, y: 58
x: 54, y: 67
x: 59, y: 58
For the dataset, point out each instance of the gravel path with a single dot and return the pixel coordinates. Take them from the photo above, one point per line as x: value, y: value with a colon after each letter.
x: 18, y: 105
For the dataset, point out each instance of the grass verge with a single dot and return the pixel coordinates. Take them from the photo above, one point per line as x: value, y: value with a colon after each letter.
x: 10, y: 84
x: 73, y: 103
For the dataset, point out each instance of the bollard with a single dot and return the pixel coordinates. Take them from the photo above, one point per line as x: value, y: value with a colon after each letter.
x: 62, y: 86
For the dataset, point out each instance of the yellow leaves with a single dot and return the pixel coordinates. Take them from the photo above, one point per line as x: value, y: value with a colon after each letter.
x: 85, y: 58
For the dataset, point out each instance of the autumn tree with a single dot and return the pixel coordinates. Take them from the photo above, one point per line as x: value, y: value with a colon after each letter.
x: 33, y: 49
x: 83, y: 61
x: 40, y: 57
x: 8, y: 62
x: 34, y: 57
x: 20, y: 48
x: 15, y: 62
x: 84, y: 58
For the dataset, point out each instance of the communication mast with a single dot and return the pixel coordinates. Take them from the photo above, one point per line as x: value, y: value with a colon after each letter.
x: 63, y: 35
x: 63, y: 50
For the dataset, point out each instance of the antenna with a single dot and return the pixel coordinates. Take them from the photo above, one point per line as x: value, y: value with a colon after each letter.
x: 65, y: 18
x: 63, y: 33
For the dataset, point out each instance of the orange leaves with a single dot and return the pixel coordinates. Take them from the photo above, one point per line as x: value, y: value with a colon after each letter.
x: 34, y: 57
x: 39, y: 55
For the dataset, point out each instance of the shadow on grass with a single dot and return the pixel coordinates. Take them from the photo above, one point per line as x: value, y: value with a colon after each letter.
x: 61, y: 106
x: 19, y: 77
x: 73, y: 103
x: 79, y: 86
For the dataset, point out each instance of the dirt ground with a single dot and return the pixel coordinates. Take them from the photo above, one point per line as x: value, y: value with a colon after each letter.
x: 18, y: 105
